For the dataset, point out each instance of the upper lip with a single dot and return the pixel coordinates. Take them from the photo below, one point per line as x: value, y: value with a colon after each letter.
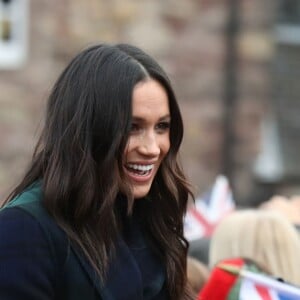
x: 143, y: 163
x: 140, y: 166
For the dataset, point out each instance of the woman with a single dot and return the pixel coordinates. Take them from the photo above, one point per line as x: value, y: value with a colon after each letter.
x: 99, y: 213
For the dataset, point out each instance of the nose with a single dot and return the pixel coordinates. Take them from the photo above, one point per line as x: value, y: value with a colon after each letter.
x: 149, y: 144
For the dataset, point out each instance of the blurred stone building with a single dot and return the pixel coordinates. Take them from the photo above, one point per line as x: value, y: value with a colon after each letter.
x: 225, y: 98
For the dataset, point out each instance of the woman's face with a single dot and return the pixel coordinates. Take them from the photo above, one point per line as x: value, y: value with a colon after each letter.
x: 149, y: 140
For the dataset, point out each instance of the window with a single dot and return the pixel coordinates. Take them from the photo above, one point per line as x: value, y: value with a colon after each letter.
x: 13, y: 33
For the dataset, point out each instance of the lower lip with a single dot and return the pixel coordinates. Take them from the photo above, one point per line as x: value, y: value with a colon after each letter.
x: 139, y: 178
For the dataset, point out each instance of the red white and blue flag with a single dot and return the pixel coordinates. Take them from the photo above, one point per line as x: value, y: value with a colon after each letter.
x: 208, y: 210
x: 251, y: 290
x: 237, y: 279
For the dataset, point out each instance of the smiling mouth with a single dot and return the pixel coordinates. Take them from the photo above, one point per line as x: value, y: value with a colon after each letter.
x: 141, y: 170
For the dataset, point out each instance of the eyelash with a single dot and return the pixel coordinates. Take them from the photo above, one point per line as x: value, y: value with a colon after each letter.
x: 161, y: 127
x: 134, y: 127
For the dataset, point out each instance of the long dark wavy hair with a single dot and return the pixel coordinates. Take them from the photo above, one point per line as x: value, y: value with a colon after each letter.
x: 79, y: 159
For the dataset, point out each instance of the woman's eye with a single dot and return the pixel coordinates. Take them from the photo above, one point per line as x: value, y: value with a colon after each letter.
x: 163, y: 126
x: 134, y: 128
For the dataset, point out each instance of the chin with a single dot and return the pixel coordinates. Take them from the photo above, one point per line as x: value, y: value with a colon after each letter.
x: 140, y: 192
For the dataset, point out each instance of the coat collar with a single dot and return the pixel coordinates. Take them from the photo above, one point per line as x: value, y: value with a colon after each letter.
x: 124, y: 278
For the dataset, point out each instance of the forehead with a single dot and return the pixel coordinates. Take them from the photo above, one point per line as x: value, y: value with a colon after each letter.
x: 150, y: 98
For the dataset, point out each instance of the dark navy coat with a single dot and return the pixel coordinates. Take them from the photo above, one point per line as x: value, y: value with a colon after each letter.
x: 38, y: 263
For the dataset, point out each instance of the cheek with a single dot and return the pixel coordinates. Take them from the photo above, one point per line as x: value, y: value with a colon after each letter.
x: 129, y: 146
x: 165, y: 146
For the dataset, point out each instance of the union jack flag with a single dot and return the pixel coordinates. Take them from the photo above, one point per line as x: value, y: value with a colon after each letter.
x: 236, y: 279
x: 251, y: 291
x: 208, y: 210
x: 258, y: 286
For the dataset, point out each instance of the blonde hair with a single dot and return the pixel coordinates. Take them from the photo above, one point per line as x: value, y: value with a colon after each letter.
x: 197, y: 274
x: 266, y: 237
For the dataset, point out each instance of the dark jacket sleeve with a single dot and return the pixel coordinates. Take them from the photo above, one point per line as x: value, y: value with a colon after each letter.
x: 27, y: 266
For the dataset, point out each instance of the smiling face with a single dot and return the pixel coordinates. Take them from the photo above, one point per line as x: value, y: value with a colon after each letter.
x: 149, y: 139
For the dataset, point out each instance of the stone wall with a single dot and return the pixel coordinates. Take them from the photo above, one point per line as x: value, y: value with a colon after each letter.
x: 186, y: 37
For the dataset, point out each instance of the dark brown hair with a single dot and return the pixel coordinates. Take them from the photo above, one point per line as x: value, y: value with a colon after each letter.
x: 79, y: 157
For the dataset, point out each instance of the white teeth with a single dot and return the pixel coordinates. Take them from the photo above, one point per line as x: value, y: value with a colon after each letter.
x: 143, y: 168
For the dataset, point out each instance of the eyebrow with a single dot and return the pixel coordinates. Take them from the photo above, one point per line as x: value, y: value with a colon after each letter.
x: 163, y: 118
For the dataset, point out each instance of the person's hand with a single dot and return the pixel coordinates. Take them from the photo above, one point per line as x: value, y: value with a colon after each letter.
x: 289, y: 207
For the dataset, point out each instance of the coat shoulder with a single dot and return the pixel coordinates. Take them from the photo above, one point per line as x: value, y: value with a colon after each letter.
x: 30, y: 201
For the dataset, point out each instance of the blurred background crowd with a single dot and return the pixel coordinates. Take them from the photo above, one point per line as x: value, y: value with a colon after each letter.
x: 235, y: 68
